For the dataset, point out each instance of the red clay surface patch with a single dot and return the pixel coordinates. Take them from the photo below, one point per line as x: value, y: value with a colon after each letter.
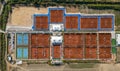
x: 104, y: 52
x: 73, y: 52
x: 73, y: 40
x: 91, y: 52
x: 56, y: 16
x: 91, y: 39
x: 33, y: 40
x: 40, y: 53
x: 41, y: 22
x: 71, y: 22
x: 104, y: 39
x: 40, y: 40
x: 89, y: 23
x: 106, y: 22
x: 56, y: 52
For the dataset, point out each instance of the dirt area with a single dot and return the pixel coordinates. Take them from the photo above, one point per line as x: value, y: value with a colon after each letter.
x: 109, y: 67
x: 66, y: 67
x: 72, y: 9
x: 22, y: 16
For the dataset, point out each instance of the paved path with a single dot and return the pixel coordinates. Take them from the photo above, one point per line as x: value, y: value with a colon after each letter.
x: 2, y: 31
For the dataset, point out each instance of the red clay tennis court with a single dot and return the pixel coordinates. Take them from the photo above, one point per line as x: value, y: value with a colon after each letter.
x: 41, y: 22
x: 73, y: 39
x: 34, y: 40
x: 89, y: 23
x: 39, y: 48
x: 105, y: 52
x: 71, y: 22
x: 104, y: 39
x: 91, y: 52
x: 73, y: 46
x: 40, y: 53
x: 56, y: 51
x: 40, y: 40
x: 91, y: 39
x: 56, y: 16
x: 106, y: 22
x: 73, y: 52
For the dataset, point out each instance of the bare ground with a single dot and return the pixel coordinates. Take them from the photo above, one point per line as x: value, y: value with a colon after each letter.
x: 22, y: 16
x: 45, y: 67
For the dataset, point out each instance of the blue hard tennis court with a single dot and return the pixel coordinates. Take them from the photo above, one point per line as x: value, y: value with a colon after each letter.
x: 22, y: 39
x: 22, y: 53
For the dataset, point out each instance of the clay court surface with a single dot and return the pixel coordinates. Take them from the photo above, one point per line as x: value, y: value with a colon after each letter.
x: 105, y: 52
x: 39, y: 48
x: 40, y: 40
x: 89, y: 23
x: 73, y: 40
x: 91, y: 52
x: 91, y: 39
x: 40, y: 53
x: 71, y: 22
x: 104, y: 39
x: 41, y: 22
x: 73, y: 52
x: 56, y: 51
x: 56, y: 16
x: 106, y: 22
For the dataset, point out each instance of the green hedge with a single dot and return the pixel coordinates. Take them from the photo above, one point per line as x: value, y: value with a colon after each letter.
x: 3, y: 49
x: 3, y: 22
x: 64, y: 1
